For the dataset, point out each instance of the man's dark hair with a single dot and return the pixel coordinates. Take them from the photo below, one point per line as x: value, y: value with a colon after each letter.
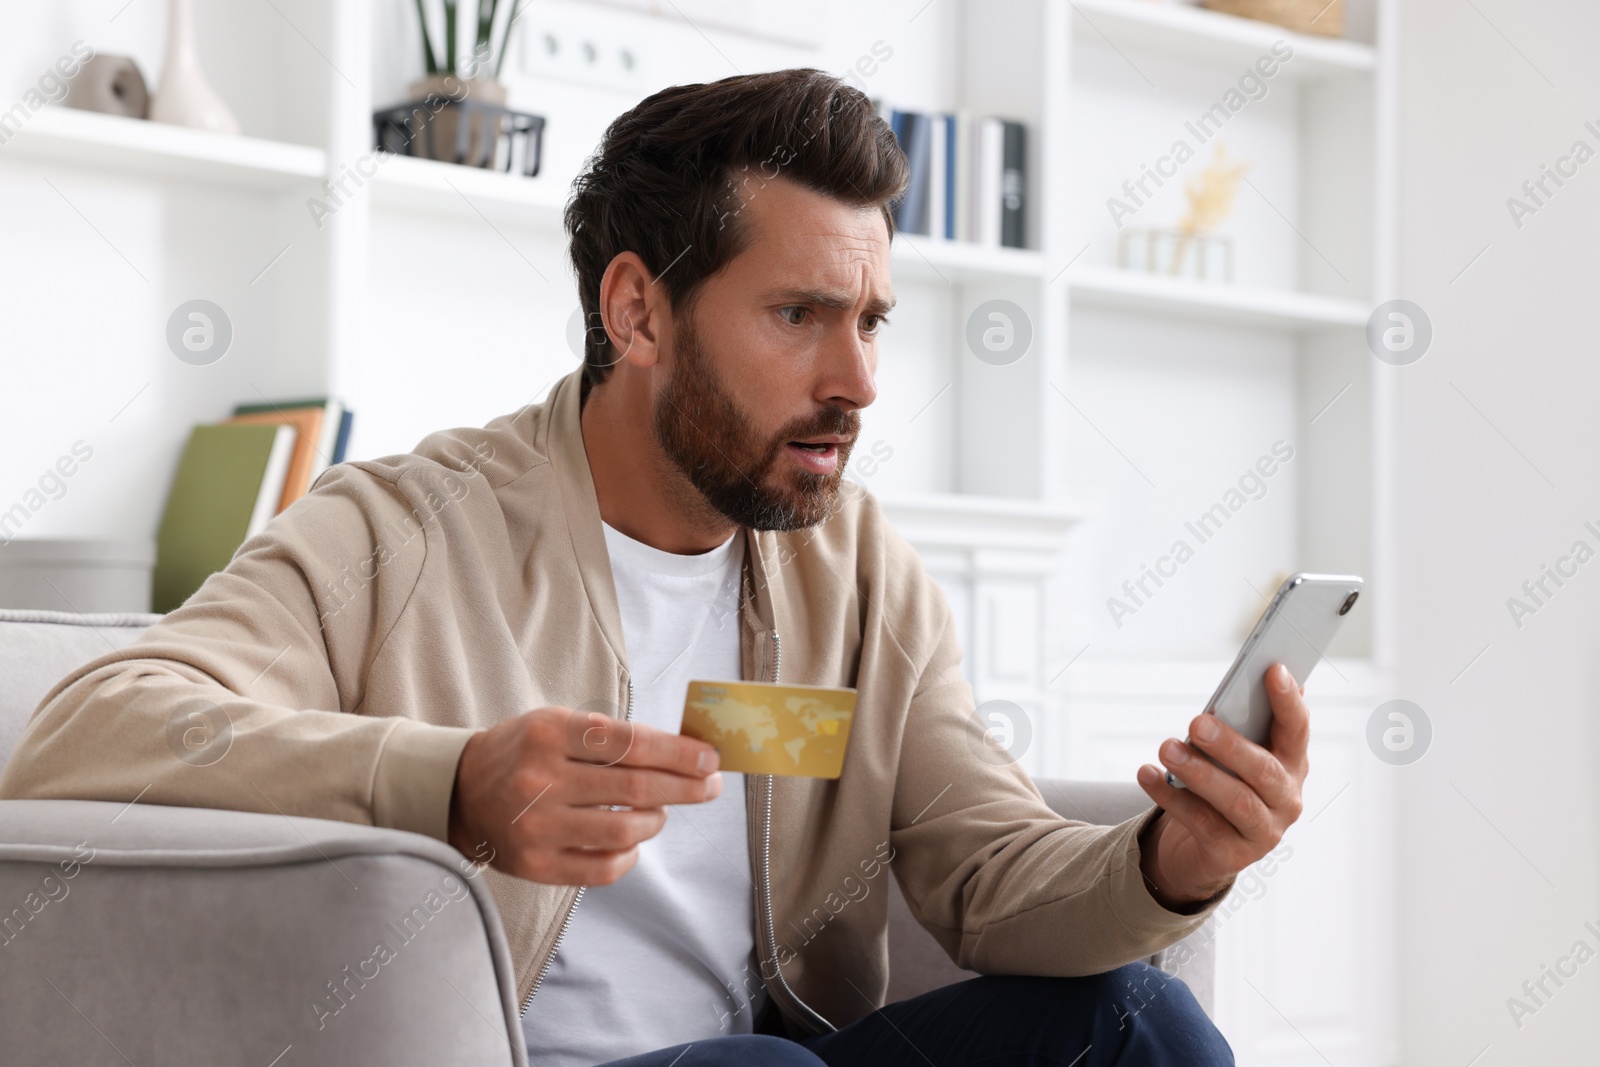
x: 667, y: 178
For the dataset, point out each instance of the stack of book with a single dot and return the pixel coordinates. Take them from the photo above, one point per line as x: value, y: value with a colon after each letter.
x: 967, y: 177
x: 234, y: 476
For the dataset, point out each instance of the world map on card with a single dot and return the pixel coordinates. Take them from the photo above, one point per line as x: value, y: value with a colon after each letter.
x: 762, y: 728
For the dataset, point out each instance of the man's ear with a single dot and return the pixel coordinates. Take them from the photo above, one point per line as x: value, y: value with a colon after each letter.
x: 635, y: 310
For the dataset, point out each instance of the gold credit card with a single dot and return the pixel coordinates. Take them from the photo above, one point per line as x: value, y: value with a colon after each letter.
x: 762, y: 728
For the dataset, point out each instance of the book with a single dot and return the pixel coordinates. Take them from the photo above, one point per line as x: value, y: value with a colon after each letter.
x: 988, y: 147
x: 324, y: 451
x: 1013, y: 187
x: 914, y: 130
x: 967, y: 177
x: 229, y: 481
x: 961, y: 165
x: 950, y: 176
x: 341, y: 443
x: 305, y: 462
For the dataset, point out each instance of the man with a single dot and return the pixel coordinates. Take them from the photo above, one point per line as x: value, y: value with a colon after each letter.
x: 487, y: 640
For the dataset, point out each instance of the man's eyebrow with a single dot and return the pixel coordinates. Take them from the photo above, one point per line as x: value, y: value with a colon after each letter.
x: 831, y: 298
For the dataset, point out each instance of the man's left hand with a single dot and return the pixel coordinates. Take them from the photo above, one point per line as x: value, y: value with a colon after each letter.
x: 1218, y: 826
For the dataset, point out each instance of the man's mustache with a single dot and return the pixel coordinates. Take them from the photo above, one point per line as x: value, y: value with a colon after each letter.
x: 832, y: 421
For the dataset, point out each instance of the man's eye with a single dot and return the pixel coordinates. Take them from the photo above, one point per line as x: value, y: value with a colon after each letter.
x: 797, y: 312
x: 874, y: 322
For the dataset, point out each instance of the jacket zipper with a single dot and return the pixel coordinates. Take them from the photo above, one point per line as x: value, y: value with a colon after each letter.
x: 766, y: 873
x: 567, y: 921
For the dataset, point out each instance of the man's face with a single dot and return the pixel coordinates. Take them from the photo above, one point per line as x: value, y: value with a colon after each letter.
x: 767, y: 373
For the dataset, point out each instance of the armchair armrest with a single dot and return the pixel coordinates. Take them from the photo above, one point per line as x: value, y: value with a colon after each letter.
x: 917, y: 963
x: 129, y: 932
x: 1194, y: 959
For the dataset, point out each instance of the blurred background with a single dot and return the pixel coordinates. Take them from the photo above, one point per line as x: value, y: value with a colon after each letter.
x: 1189, y: 299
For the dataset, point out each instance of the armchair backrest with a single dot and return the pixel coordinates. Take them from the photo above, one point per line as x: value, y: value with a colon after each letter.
x: 39, y: 648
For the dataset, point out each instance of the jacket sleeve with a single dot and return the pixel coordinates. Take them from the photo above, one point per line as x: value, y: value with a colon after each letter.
x: 1003, y: 883
x: 249, y: 695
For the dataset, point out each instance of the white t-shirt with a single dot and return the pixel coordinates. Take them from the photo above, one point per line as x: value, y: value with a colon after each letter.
x: 664, y: 955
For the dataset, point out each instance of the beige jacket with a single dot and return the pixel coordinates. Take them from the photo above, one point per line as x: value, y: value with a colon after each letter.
x: 358, y: 641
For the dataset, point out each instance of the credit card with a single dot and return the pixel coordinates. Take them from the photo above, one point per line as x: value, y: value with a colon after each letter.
x: 763, y: 728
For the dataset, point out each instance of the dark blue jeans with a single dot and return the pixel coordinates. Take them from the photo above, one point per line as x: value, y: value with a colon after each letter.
x: 1135, y: 1016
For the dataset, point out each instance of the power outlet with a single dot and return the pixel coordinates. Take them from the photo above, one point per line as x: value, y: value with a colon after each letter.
x: 554, y: 44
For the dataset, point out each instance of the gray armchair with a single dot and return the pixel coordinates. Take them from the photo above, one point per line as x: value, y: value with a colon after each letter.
x: 138, y: 933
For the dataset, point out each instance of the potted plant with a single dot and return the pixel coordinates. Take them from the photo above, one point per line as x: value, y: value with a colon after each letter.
x: 454, y: 79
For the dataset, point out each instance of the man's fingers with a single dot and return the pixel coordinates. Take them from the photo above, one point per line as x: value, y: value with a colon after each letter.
x: 1231, y: 798
x: 636, y: 787
x: 1204, y: 821
x: 579, y: 867
x: 1291, y: 719
x: 605, y: 829
x: 1258, y: 768
x: 600, y: 739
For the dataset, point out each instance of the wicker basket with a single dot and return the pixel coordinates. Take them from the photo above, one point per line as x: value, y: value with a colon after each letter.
x: 1324, y: 17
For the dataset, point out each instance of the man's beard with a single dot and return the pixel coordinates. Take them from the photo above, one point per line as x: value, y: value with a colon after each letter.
x: 747, y: 478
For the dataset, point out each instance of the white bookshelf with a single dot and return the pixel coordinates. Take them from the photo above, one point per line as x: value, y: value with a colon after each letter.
x: 1214, y: 373
x: 979, y: 521
x: 64, y: 137
x: 932, y: 259
x: 1183, y: 30
x: 424, y: 185
x: 1273, y: 309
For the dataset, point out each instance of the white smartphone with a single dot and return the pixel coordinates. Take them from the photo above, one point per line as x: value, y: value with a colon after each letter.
x: 1295, y: 630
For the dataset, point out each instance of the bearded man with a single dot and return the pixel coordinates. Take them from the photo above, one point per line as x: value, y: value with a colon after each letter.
x: 487, y: 640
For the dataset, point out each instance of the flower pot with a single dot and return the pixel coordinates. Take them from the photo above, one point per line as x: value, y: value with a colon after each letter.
x: 446, y: 123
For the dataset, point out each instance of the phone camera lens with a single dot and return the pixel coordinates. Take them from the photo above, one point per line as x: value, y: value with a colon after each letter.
x: 1349, y: 602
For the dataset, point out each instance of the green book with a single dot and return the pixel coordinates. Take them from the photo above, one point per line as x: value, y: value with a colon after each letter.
x: 226, y: 491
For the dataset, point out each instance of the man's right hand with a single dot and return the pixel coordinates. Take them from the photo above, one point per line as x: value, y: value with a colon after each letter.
x: 539, y: 790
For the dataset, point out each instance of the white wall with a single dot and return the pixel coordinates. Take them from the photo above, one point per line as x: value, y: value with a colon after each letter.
x: 1498, y: 829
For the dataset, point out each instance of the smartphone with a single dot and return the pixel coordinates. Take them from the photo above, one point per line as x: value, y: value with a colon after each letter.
x: 1295, y: 630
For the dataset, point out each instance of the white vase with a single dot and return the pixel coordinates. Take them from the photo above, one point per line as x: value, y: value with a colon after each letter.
x: 183, y: 98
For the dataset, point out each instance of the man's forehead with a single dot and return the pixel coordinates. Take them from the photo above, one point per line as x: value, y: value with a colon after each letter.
x: 831, y: 280
x: 785, y: 212
x: 817, y: 243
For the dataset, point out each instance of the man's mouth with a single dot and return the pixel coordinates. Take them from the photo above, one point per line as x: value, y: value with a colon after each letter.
x: 819, y: 455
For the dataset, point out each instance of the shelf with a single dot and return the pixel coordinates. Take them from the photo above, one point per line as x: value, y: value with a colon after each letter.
x: 928, y: 259
x: 1182, y: 30
x: 1268, y: 308
x: 137, y: 146
x: 426, y: 185
x: 408, y: 184
x: 969, y: 520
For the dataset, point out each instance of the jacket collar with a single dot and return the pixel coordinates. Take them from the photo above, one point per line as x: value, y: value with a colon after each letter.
x: 581, y: 507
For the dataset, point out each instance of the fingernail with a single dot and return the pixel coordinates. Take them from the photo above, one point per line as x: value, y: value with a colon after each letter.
x: 1172, y: 753
x: 1205, y: 728
x: 1285, y: 679
x: 714, y: 786
x: 709, y: 759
